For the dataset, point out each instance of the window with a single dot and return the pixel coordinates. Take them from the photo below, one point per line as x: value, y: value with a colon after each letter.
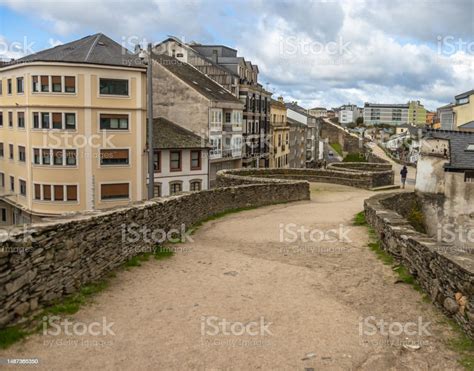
x: 157, y: 161
x: 44, y: 83
x: 35, y: 84
x: 10, y: 119
x: 58, y: 193
x: 195, y: 185
x: 216, y: 120
x: 157, y: 190
x: 195, y: 160
x: 45, y: 120
x: 1, y: 117
x: 56, y: 84
x: 22, y: 187
x: 70, y: 121
x: 228, y: 117
x: 71, y: 155
x: 113, y: 87
x: 37, y: 192
x: 4, y: 215
x: 69, y: 84
x: 2, y: 153
x: 10, y: 147
x: 470, y: 147
x: 46, y: 192
x: 36, y: 123
x: 58, y: 157
x: 21, y: 119
x: 114, y: 191
x: 46, y: 156
x: 114, y: 157
x: 175, y: 187
x: 2, y: 180
x: 175, y: 160
x: 469, y: 176
x: 71, y: 193
x: 1, y: 87
x: 19, y: 85
x: 12, y: 184
x: 113, y: 122
x: 57, y: 120
x: 36, y: 156
x: 21, y: 153
x: 9, y: 86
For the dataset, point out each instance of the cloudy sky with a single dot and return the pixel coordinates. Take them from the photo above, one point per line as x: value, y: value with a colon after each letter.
x: 316, y: 52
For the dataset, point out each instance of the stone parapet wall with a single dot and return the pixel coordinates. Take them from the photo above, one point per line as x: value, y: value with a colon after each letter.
x: 344, y: 176
x: 48, y: 261
x: 444, y: 271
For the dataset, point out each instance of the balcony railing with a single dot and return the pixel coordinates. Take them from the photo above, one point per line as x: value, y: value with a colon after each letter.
x: 215, y: 153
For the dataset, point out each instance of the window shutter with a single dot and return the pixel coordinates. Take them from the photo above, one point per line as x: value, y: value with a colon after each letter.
x: 71, y: 193
x: 58, y: 193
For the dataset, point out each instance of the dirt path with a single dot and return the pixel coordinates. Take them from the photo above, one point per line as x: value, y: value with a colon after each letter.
x: 311, y: 296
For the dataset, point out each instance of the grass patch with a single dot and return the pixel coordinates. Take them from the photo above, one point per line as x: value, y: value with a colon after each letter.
x: 162, y: 252
x: 337, y: 147
x: 416, y: 218
x: 462, y: 345
x: 10, y: 335
x: 359, y: 219
x: 354, y: 157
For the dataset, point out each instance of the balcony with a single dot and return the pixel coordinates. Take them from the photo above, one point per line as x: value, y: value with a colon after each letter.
x: 215, y: 153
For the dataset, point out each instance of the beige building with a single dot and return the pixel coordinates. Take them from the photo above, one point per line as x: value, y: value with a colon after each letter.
x: 464, y: 111
x: 280, y: 134
x: 72, y: 130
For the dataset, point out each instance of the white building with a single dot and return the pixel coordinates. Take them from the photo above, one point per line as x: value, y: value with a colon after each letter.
x: 348, y: 113
x: 181, y: 159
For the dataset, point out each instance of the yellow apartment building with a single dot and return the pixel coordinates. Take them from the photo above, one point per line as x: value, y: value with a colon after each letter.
x: 72, y: 131
x: 280, y: 134
x: 464, y: 111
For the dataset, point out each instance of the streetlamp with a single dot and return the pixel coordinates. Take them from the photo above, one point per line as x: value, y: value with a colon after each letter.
x: 146, y: 57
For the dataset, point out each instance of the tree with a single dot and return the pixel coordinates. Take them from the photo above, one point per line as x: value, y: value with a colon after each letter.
x: 360, y: 121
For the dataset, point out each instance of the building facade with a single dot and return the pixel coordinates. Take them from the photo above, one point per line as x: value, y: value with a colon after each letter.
x: 388, y: 114
x: 348, y: 113
x: 280, y: 134
x: 318, y: 112
x: 72, y: 130
x: 298, y: 134
x: 416, y: 113
x: 240, y: 78
x: 181, y: 159
x: 446, y: 117
x: 464, y: 111
x: 184, y: 95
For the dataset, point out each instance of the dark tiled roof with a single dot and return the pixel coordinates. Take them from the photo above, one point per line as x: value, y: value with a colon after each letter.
x: 467, y: 125
x: 458, y: 142
x: 168, y: 135
x: 464, y: 95
x: 93, y: 49
x: 197, y: 80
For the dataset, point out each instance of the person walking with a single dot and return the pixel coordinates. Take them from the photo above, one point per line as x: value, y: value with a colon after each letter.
x: 404, y: 173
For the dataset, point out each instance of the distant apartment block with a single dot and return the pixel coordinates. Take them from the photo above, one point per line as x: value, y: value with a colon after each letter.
x: 446, y: 117
x: 240, y: 78
x: 464, y: 111
x: 181, y: 159
x: 348, y: 113
x: 185, y: 96
x: 72, y: 130
x: 416, y: 113
x: 389, y: 114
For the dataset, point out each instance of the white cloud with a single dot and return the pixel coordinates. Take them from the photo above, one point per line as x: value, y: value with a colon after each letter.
x: 388, y: 49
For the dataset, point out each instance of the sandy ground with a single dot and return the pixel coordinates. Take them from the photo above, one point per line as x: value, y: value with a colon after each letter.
x: 313, y: 298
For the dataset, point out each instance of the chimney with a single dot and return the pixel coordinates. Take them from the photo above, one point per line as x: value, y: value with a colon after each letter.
x: 280, y: 99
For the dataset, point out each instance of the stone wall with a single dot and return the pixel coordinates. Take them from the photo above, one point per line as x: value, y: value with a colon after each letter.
x: 48, y: 261
x: 444, y: 271
x: 336, y: 134
x: 350, y: 177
